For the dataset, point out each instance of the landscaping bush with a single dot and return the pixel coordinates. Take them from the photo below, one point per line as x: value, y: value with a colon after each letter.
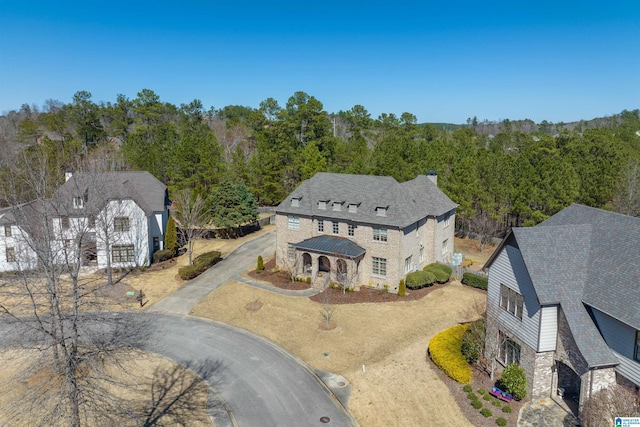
x: 501, y: 422
x: 486, y: 397
x: 443, y: 267
x: 442, y: 275
x: 472, y: 396
x: 163, y: 255
x: 420, y: 279
x: 514, y: 381
x: 496, y: 402
x: 171, y: 235
x: 506, y: 409
x: 402, y: 288
x: 308, y: 280
x: 481, y: 391
x: 467, y: 388
x: 475, y: 281
x: 200, y: 264
x: 476, y: 404
x: 486, y: 412
x: 473, y: 341
x: 260, y: 265
x: 444, y: 349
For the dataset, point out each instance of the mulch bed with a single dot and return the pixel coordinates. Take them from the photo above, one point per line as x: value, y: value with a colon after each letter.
x: 479, y: 380
x: 282, y: 280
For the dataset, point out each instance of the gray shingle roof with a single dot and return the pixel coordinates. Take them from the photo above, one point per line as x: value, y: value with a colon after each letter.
x: 585, y: 256
x: 331, y: 246
x: 142, y: 187
x: 406, y: 202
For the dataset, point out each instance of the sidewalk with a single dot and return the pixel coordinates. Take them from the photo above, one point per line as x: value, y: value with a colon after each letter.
x: 269, y: 287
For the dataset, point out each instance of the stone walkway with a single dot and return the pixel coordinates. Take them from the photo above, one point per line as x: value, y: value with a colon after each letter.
x: 545, y: 413
x: 306, y: 293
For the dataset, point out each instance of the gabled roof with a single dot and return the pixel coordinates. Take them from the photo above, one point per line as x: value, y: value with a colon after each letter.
x: 331, y: 245
x: 406, y: 202
x: 97, y: 188
x: 582, y: 257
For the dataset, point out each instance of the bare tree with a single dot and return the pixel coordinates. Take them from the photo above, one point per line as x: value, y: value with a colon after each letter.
x: 346, y: 276
x: 328, y: 309
x: 290, y: 262
x: 192, y: 214
x: 627, y: 199
x: 483, y: 228
x: 605, y: 405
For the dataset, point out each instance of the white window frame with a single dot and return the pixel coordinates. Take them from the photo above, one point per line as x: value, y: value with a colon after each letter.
x: 291, y: 252
x: 7, y: 230
x: 447, y: 220
x: 123, y: 253
x: 293, y: 222
x: 379, y: 234
x: 511, y: 301
x: 422, y: 254
x: 408, y: 264
x: 335, y: 227
x: 78, y: 202
x: 509, y: 351
x: 10, y: 254
x: 320, y: 226
x: 65, y: 222
x: 379, y: 266
x: 121, y: 224
x: 445, y: 247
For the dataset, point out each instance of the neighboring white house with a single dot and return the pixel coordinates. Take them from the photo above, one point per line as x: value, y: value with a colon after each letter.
x: 120, y: 215
x: 563, y: 301
x: 364, y: 230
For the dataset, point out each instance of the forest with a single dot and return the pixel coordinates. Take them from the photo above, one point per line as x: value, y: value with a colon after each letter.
x: 502, y: 174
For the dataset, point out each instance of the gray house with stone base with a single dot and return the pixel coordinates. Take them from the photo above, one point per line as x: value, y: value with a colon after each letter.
x: 564, y: 302
x: 358, y: 230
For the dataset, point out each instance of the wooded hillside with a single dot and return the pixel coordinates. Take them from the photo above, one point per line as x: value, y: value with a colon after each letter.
x: 502, y: 174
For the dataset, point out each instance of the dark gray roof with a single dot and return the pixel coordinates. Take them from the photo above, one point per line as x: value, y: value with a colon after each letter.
x: 406, y: 202
x: 331, y: 246
x: 142, y: 187
x: 582, y: 257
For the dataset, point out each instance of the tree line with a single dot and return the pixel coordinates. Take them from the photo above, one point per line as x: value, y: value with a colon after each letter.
x: 518, y: 176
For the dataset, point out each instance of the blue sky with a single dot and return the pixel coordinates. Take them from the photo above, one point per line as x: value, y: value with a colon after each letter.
x: 442, y: 61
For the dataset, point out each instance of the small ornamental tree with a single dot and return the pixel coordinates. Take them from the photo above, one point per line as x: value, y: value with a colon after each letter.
x: 402, y: 288
x: 260, y: 265
x: 171, y: 235
x: 514, y: 381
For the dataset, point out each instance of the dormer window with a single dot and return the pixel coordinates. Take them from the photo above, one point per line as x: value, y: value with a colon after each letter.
x: 322, y: 204
x: 353, y: 208
x: 78, y: 202
x: 337, y: 206
x: 381, y: 211
x: 295, y: 201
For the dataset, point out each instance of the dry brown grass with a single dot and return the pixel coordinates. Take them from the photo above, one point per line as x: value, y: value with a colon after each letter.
x: 398, y: 386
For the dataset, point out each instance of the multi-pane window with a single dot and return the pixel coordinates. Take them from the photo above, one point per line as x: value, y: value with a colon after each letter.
x: 10, y: 253
x: 447, y: 220
x: 408, y: 264
x: 67, y: 243
x: 78, y: 202
x: 320, y: 226
x: 380, y: 234
x: 121, y: 223
x: 64, y: 222
x: 636, y: 355
x: 123, y: 253
x: 7, y: 230
x: 291, y: 252
x: 335, y: 228
x: 92, y: 221
x: 379, y: 266
x: 293, y: 222
x: 511, y: 301
x: 509, y: 350
x: 421, y: 254
x: 351, y: 229
x: 445, y: 247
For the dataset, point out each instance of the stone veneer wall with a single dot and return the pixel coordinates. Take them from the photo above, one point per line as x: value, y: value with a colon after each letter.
x: 543, y: 381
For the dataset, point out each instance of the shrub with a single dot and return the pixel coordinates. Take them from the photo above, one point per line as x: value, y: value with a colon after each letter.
x: 486, y: 397
x: 496, y: 402
x: 402, y: 288
x: 420, y: 279
x: 443, y: 267
x: 476, y: 404
x: 506, y: 409
x: 171, y: 235
x: 514, y: 381
x: 308, y: 280
x: 188, y: 272
x: 486, y: 412
x: 475, y: 281
x: 444, y: 349
x: 260, y: 265
x: 481, y: 391
x: 473, y: 341
x: 472, y: 396
x: 501, y: 422
x: 467, y: 388
x: 442, y: 276
x: 163, y: 255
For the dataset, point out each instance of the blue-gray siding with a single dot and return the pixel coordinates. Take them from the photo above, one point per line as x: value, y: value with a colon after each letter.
x: 621, y: 338
x: 509, y: 269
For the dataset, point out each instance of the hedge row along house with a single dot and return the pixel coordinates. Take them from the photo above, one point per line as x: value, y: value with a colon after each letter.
x: 563, y: 301
x: 357, y: 230
x: 115, y: 219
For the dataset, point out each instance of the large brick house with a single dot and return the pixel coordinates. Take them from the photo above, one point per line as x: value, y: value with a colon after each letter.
x: 116, y: 217
x: 363, y: 230
x: 564, y: 302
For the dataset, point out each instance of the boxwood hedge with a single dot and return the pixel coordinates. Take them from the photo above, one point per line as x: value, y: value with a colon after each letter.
x: 475, y: 281
x: 200, y: 264
x: 420, y: 279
